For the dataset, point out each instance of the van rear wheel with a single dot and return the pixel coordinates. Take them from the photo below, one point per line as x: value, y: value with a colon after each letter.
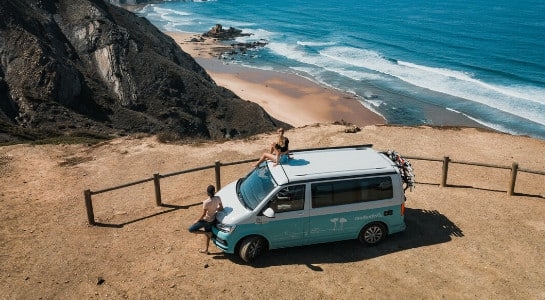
x: 372, y: 234
x: 252, y: 247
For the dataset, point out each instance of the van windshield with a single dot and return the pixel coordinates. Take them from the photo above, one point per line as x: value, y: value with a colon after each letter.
x: 255, y: 187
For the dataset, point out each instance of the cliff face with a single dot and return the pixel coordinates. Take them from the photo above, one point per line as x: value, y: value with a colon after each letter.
x: 69, y: 66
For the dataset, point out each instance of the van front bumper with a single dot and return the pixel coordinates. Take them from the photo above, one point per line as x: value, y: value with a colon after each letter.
x: 220, y: 239
x: 220, y: 243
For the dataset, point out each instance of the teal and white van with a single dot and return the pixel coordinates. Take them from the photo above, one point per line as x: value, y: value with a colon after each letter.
x: 319, y: 195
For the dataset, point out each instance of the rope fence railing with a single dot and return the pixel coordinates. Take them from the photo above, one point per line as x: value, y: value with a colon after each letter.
x: 446, y: 161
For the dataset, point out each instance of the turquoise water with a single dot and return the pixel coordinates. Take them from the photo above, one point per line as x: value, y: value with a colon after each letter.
x: 401, y: 58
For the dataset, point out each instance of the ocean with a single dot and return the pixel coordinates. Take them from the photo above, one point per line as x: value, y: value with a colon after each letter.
x: 405, y: 60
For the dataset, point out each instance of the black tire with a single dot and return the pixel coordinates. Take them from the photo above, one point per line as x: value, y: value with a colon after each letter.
x: 372, y: 234
x: 252, y: 247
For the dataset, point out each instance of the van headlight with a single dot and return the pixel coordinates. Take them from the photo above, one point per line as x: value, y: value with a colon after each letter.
x: 226, y: 228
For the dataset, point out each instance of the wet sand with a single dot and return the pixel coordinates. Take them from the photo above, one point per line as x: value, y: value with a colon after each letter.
x: 291, y: 98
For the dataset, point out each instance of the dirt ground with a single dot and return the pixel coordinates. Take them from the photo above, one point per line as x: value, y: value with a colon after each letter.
x: 465, y: 241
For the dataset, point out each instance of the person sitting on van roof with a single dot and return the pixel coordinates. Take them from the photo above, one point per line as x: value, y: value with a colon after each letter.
x: 279, y: 150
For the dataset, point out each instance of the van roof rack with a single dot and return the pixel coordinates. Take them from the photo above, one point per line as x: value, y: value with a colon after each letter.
x: 335, y: 147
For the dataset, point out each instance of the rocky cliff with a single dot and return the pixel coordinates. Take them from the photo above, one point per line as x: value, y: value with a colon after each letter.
x: 85, y: 66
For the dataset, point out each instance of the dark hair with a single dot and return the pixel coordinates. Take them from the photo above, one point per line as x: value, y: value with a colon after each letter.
x: 210, y: 190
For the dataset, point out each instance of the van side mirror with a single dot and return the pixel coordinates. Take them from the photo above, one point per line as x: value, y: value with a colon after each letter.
x: 269, y: 213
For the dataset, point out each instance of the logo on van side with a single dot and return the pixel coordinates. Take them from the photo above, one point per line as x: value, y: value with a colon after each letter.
x: 341, y: 222
x: 338, y: 223
x: 375, y: 216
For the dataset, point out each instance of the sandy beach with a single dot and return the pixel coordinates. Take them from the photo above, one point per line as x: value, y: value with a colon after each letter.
x: 291, y: 98
x: 287, y: 97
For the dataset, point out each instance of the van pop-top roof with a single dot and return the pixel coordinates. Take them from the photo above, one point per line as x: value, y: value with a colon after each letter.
x: 346, y: 161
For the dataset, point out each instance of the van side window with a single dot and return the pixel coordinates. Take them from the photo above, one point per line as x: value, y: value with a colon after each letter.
x: 377, y: 188
x: 351, y: 191
x: 322, y: 194
x: 288, y: 199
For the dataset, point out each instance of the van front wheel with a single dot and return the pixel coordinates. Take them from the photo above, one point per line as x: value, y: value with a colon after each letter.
x: 372, y: 234
x: 251, y: 247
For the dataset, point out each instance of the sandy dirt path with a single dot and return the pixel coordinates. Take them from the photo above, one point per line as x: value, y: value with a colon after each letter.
x: 466, y: 241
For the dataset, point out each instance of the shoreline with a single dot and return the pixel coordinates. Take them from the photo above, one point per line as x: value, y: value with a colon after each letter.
x: 292, y: 98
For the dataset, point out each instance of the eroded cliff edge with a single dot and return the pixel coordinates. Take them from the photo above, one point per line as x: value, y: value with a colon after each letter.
x: 85, y: 66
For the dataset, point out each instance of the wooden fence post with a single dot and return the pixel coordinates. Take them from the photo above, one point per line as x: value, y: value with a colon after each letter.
x: 156, y: 178
x: 446, y: 160
x: 89, y: 206
x: 514, y: 169
x: 218, y: 175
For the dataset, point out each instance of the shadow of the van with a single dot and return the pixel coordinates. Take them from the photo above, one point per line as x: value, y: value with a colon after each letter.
x: 424, y: 228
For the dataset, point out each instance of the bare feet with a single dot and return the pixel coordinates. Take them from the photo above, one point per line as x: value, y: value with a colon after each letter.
x: 203, y: 251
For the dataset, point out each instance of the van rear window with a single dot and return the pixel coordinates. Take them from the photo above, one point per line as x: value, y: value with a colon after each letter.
x: 351, y: 191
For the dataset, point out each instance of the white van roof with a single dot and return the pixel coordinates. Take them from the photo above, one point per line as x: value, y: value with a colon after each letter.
x: 324, y: 163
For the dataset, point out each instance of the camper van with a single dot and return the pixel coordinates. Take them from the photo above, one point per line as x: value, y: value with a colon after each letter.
x: 317, y: 196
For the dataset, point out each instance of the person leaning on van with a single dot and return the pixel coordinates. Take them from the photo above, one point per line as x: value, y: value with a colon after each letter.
x: 206, y: 220
x: 279, y: 150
